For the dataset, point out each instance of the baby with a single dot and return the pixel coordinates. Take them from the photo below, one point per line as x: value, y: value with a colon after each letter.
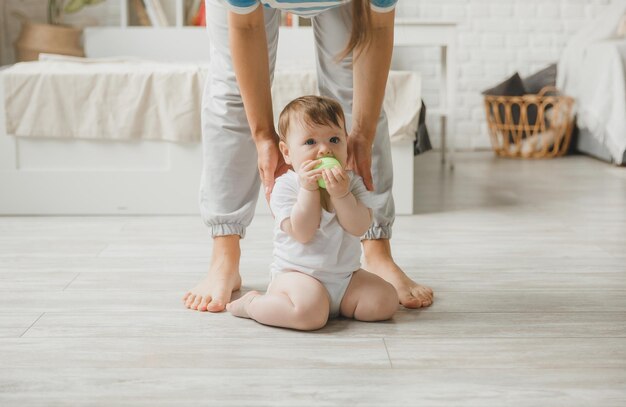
x: 316, y: 270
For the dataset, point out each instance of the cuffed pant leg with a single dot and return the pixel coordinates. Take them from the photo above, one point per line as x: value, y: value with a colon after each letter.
x: 230, y: 182
x: 332, y: 31
x: 382, y: 173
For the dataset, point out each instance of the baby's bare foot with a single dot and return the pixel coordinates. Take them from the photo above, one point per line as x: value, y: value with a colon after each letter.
x: 214, y: 291
x: 239, y: 307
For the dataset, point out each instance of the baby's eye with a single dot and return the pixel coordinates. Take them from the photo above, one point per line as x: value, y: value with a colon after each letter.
x: 309, y: 142
x: 335, y: 140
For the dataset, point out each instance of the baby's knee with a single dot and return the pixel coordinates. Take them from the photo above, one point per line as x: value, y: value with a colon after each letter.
x: 390, y: 302
x: 382, y: 305
x: 311, y: 317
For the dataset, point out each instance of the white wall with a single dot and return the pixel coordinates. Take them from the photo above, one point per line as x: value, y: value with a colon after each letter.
x: 496, y: 38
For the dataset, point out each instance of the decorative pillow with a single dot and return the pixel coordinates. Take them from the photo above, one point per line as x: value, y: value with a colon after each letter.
x: 539, y: 80
x: 510, y: 87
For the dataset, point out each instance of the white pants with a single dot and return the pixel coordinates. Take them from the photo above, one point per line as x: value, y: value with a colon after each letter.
x: 230, y: 180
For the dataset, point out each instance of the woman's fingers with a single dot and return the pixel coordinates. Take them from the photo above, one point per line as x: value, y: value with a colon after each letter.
x: 267, y: 179
x: 360, y: 159
x: 366, y: 174
x: 281, y: 168
x: 269, y: 159
x: 350, y: 158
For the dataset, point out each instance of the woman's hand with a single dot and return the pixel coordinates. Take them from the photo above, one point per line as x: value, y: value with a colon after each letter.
x: 360, y: 158
x: 271, y: 164
x: 309, y: 175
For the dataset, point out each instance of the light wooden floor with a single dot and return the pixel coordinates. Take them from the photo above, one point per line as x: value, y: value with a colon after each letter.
x: 527, y: 259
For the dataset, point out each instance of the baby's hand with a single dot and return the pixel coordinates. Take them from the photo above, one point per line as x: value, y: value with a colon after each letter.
x: 309, y: 175
x: 337, y: 182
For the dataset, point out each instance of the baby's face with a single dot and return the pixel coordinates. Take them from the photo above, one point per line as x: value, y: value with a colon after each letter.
x: 314, y: 142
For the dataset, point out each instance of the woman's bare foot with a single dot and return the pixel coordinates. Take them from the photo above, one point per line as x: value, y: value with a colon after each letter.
x: 239, y: 307
x: 214, y: 291
x: 379, y: 261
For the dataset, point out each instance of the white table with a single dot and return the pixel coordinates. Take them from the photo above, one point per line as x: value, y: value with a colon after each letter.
x: 442, y: 34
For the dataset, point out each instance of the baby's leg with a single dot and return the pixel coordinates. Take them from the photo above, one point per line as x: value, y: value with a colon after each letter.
x: 369, y: 298
x: 293, y: 300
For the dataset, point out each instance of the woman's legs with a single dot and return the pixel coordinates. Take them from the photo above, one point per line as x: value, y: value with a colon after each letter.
x: 230, y: 181
x: 332, y: 30
x: 293, y: 300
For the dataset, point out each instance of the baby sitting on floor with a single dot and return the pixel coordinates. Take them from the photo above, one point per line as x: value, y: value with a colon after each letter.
x: 316, y: 270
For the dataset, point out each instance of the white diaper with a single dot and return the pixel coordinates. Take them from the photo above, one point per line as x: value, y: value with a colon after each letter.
x: 336, y: 285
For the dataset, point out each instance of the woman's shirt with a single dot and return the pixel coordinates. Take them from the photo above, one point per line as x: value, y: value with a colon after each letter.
x: 308, y: 8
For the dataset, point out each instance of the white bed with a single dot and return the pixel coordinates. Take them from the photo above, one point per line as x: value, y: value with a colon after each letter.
x: 93, y: 165
x: 593, y: 71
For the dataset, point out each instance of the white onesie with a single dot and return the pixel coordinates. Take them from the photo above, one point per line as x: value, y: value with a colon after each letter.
x: 332, y: 256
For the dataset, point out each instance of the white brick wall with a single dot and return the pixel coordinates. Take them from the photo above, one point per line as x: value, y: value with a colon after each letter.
x: 496, y: 38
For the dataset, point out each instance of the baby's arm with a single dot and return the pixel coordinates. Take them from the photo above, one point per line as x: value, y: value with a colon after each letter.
x: 305, y: 216
x: 307, y: 211
x: 353, y: 216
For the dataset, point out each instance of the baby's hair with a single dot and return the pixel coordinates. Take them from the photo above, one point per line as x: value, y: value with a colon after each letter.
x: 310, y: 110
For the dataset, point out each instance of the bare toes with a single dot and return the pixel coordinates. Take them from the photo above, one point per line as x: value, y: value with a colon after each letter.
x: 239, y: 307
x: 216, y: 305
x: 190, y: 300
x: 426, y: 302
x: 424, y: 293
x: 408, y: 300
x: 204, y: 303
x: 196, y: 302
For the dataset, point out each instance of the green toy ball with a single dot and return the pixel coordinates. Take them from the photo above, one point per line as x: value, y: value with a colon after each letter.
x: 327, y: 162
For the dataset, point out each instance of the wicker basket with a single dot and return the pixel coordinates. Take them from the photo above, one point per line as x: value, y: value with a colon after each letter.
x: 46, y: 38
x: 530, y: 126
